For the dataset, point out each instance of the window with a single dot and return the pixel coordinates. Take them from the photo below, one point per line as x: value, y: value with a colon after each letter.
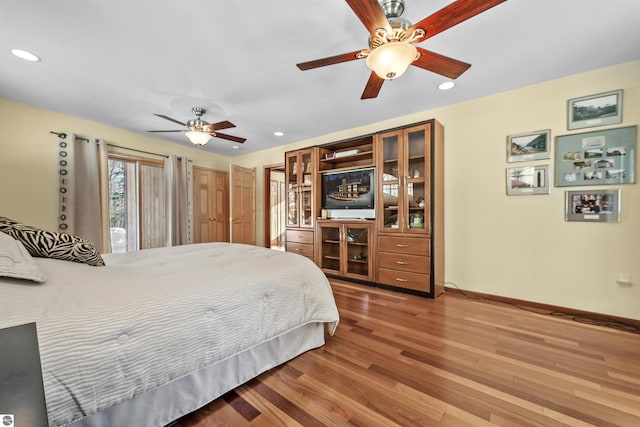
x: 136, y: 204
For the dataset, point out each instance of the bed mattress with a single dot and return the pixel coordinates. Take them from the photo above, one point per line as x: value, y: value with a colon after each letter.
x: 122, y: 333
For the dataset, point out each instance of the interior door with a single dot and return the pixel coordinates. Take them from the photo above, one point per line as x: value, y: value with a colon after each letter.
x: 211, y: 201
x: 243, y: 205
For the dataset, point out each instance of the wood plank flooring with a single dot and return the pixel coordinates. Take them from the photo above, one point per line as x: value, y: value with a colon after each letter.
x: 403, y: 360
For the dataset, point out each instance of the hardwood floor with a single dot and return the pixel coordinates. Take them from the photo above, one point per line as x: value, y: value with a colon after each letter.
x: 399, y: 359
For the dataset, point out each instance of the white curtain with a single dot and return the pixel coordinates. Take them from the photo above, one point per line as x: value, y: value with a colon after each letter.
x: 84, y: 189
x: 178, y: 172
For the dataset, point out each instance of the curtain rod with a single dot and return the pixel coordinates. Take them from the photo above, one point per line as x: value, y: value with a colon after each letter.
x: 64, y: 135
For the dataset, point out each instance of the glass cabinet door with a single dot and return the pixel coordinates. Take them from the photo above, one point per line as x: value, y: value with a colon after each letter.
x: 415, y: 204
x: 306, y: 196
x: 357, y: 251
x: 306, y: 193
x: 293, y: 213
x: 292, y: 208
x: 299, y: 182
x: 330, y: 247
x: 391, y: 180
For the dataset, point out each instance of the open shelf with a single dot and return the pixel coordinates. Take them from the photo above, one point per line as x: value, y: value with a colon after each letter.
x: 360, y: 154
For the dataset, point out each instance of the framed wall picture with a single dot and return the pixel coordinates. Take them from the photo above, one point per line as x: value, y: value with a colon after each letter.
x: 592, y: 206
x: 522, y: 147
x: 528, y: 180
x: 596, y: 158
x: 595, y: 110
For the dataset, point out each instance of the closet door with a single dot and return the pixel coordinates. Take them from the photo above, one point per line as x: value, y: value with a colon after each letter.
x: 243, y: 202
x: 211, y: 205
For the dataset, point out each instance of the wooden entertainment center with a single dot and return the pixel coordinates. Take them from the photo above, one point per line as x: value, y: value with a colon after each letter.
x: 403, y: 247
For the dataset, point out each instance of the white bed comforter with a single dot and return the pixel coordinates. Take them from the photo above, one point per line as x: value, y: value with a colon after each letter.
x: 107, y: 334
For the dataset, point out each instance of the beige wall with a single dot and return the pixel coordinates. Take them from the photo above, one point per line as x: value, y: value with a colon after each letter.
x: 28, y: 158
x: 518, y: 246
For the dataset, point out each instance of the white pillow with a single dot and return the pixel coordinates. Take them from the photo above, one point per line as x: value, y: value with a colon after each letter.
x: 16, y: 262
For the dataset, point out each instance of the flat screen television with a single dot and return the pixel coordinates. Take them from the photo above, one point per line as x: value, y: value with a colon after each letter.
x: 349, y: 194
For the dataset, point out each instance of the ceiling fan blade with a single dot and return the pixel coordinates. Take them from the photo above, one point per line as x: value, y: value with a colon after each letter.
x: 373, y: 86
x: 157, y: 131
x: 440, y: 64
x: 220, y: 125
x: 170, y: 119
x: 451, y: 15
x: 351, y: 56
x: 370, y: 14
x: 229, y: 137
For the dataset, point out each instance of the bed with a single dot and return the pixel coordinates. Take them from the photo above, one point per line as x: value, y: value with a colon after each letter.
x: 159, y: 333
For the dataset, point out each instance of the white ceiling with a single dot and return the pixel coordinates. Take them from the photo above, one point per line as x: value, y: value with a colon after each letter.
x: 117, y: 62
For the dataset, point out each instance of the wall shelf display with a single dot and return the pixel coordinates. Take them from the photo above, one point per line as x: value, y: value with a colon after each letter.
x: 402, y: 171
x: 596, y: 158
x: 592, y: 206
x: 528, y: 180
x: 528, y: 146
x: 595, y: 110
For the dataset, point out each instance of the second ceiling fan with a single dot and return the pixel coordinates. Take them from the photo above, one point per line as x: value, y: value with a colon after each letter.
x: 200, y: 132
x: 392, y: 38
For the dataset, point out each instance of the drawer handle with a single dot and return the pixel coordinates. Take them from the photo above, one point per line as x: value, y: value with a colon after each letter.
x: 298, y: 249
x: 402, y: 262
x: 402, y: 246
x: 401, y: 280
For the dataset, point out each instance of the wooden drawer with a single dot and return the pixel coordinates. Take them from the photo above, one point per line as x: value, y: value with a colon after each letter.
x: 404, y: 245
x: 300, y: 236
x: 300, y: 249
x: 404, y: 262
x: 404, y: 279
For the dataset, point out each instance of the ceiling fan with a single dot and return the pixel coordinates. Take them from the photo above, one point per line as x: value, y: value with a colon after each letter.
x: 200, y: 132
x: 392, y: 38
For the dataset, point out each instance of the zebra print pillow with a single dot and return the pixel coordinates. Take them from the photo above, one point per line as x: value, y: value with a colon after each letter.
x: 50, y: 244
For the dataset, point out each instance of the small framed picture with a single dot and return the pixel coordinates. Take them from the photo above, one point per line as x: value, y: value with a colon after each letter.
x: 528, y: 180
x: 592, y: 206
x: 595, y: 110
x: 523, y: 147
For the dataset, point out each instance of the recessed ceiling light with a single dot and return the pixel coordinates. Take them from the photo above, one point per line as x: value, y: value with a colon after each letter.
x: 446, y: 85
x: 23, y: 54
x: 236, y: 147
x: 278, y: 133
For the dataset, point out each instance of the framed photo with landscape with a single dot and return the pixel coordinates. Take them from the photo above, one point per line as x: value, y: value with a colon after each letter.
x: 592, y: 206
x: 596, y: 158
x: 595, y: 110
x: 523, y: 147
x: 528, y: 180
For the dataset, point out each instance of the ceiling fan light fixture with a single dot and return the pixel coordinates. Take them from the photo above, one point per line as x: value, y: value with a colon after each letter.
x: 390, y: 60
x: 197, y: 137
